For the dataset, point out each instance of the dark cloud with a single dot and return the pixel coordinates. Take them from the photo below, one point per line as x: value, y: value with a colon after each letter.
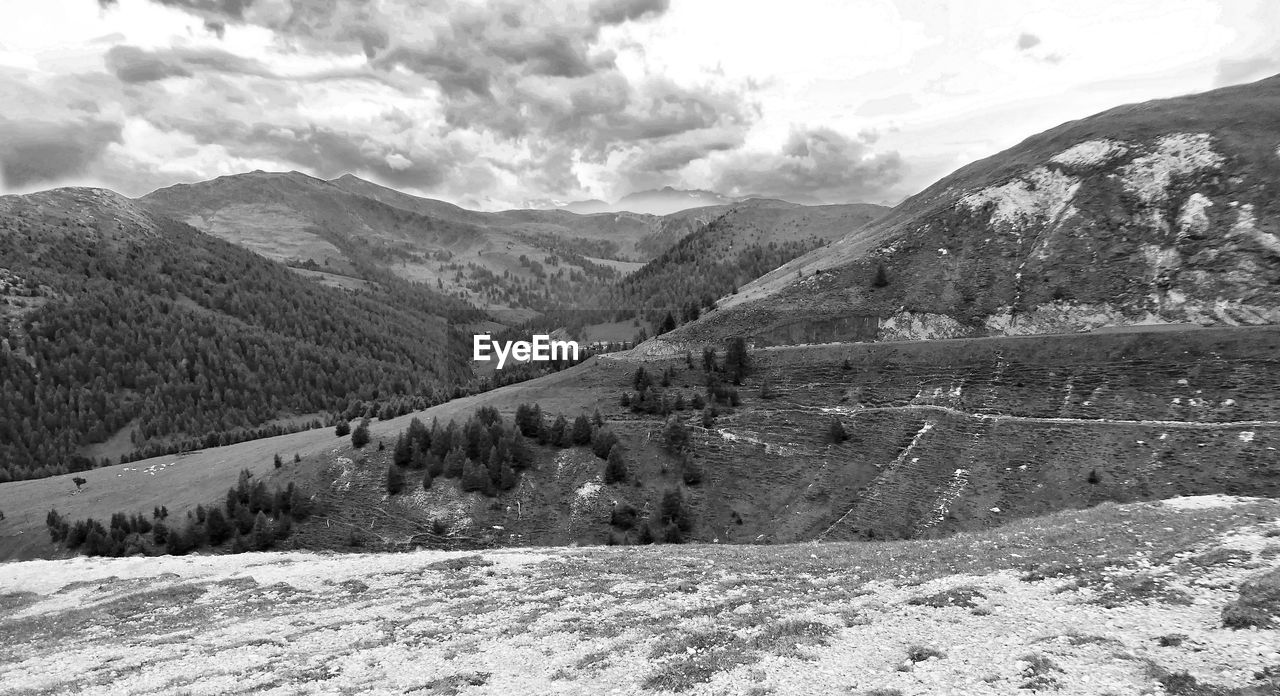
x: 819, y: 162
x: 36, y: 152
x: 619, y: 11
x: 233, y: 9
x: 1027, y: 41
x: 529, y: 77
x: 133, y: 64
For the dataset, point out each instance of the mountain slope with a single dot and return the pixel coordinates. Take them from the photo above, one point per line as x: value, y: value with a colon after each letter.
x: 1119, y: 599
x: 128, y: 321
x: 1157, y: 212
x: 514, y: 262
x: 745, y: 241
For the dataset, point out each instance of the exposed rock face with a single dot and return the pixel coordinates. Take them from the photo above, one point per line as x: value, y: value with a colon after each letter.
x: 1163, y: 212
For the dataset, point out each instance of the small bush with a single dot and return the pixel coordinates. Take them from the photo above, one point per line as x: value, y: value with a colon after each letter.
x: 920, y: 653
x: 1258, y: 603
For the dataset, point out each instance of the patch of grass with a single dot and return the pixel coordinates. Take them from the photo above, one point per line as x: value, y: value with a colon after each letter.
x: 460, y: 563
x: 785, y: 637
x: 1258, y: 603
x: 920, y: 653
x: 1143, y: 588
x: 1039, y: 673
x: 1219, y: 557
x: 13, y: 601
x: 962, y: 596
x: 456, y: 683
x: 696, y: 658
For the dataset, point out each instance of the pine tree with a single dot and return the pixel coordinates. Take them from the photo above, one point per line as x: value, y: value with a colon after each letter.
x: 360, y: 436
x: 675, y: 436
x: 615, y: 471
x: 697, y: 403
x: 395, y: 479
x: 342, y: 428
x: 837, y: 432
x: 881, y: 279
x: 597, y: 420
x: 557, y: 435
x: 475, y: 477
x: 419, y: 437
x: 581, y: 434
x: 668, y: 324
x: 263, y: 535
x: 641, y: 381
x: 216, y: 527
x: 709, y: 359
x: 736, y: 360
x: 603, y: 442
x: 402, y: 455
x: 278, y: 461
x: 455, y: 463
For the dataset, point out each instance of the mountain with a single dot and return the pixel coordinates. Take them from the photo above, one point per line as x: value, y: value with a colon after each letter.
x: 125, y: 330
x: 1161, y: 212
x: 743, y: 242
x: 663, y: 201
x: 515, y: 263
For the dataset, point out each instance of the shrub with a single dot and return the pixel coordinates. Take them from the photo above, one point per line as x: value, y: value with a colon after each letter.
x: 1258, y: 603
x: 623, y: 516
x: 360, y: 436
x: 278, y: 461
x: 837, y: 432
x: 395, y: 479
x: 342, y: 428
x: 616, y: 468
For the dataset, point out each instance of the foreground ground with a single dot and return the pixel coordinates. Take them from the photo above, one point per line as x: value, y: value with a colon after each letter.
x: 1116, y: 599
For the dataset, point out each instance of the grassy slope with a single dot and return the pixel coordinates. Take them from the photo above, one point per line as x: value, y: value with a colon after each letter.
x: 1027, y: 435
x: 1074, y: 602
x: 1095, y: 256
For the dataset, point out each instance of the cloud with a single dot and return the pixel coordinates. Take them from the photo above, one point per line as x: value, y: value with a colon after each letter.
x: 1027, y: 41
x: 135, y: 65
x: 507, y: 92
x: 817, y: 162
x: 619, y: 11
x: 35, y: 152
x: 1238, y: 71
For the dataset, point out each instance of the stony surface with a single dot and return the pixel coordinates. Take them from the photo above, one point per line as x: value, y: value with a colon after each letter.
x: 962, y: 616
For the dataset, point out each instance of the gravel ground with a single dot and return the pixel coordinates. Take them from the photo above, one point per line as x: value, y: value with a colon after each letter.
x: 802, y: 619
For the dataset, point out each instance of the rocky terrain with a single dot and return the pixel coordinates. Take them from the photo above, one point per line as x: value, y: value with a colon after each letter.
x: 1161, y: 212
x: 1174, y: 597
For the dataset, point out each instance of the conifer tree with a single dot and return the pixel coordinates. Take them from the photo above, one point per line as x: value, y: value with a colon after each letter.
x: 402, y: 454
x: 342, y: 428
x: 615, y: 470
x: 837, y: 432
x: 395, y: 479
x: 581, y: 434
x: 262, y: 536
x: 455, y: 463
x: 360, y: 436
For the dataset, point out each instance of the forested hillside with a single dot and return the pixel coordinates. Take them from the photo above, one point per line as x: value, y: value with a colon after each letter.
x: 734, y: 247
x: 116, y: 318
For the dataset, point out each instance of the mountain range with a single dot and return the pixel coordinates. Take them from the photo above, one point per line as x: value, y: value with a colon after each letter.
x: 1086, y: 317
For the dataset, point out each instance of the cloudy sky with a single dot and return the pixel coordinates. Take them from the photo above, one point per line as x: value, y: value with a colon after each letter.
x: 510, y: 103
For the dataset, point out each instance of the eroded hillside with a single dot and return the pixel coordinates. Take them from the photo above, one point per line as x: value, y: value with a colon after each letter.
x: 1162, y: 212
